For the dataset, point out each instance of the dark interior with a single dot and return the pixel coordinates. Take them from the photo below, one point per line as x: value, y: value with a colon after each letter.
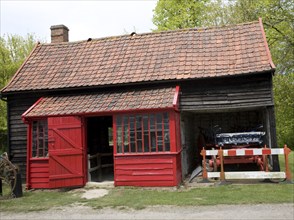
x: 100, y: 148
x: 200, y: 129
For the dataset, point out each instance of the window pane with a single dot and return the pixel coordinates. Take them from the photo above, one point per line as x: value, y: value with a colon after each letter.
x: 166, y: 140
x: 166, y: 132
x: 159, y: 132
x: 146, y: 141
x: 119, y: 134
x: 159, y: 141
x: 152, y: 133
x: 139, y: 132
x: 46, y: 139
x: 132, y: 134
x: 139, y: 145
x: 146, y: 133
x: 39, y: 138
x: 159, y: 121
x: 35, y: 137
x: 143, y: 133
x: 126, y: 134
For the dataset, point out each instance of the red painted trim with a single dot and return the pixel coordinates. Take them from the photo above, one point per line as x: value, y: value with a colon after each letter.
x: 85, y: 147
x: 114, y: 135
x: 114, y: 146
x: 266, y: 44
x: 20, y: 68
x: 34, y: 159
x: 266, y: 151
x: 172, y: 130
x: 232, y: 153
x: 146, y: 154
x: 175, y: 171
x: 29, y: 141
x: 23, y: 116
x: 176, y: 98
x: 89, y: 114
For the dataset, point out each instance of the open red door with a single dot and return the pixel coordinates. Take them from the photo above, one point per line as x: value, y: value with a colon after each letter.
x: 66, y: 152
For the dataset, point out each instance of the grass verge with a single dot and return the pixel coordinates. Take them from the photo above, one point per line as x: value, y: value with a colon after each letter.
x: 139, y: 198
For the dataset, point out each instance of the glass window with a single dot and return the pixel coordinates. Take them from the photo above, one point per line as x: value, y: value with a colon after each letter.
x: 40, y: 138
x: 143, y: 133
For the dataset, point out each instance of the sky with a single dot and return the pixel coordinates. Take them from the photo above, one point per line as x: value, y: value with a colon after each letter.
x: 84, y: 18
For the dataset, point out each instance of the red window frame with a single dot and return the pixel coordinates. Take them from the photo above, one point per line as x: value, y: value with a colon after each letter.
x: 39, y: 139
x: 134, y: 125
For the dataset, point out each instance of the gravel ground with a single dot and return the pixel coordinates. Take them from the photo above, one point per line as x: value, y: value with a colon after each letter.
x: 259, y: 212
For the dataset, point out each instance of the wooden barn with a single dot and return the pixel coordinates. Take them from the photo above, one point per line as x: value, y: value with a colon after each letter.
x: 133, y: 106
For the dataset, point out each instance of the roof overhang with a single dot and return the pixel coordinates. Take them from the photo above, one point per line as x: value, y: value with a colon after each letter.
x: 105, y: 102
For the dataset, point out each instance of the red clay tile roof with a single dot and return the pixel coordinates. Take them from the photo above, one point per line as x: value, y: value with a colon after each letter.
x: 171, y: 55
x: 103, y: 102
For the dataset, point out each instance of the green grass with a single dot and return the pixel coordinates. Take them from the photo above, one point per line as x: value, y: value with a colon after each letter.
x: 139, y: 198
x: 229, y: 194
x: 39, y: 200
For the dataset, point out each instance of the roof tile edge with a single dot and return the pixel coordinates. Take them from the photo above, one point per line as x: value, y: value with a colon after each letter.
x: 266, y: 44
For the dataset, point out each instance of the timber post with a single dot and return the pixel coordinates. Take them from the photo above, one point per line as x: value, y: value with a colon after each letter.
x: 287, y: 167
x: 204, y: 170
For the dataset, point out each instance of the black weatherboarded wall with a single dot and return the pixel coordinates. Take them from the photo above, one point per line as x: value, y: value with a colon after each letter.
x: 227, y: 92
x: 17, y: 141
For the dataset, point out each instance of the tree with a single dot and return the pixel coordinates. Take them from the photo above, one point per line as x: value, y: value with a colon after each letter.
x: 284, y: 103
x: 175, y: 14
x: 13, y: 51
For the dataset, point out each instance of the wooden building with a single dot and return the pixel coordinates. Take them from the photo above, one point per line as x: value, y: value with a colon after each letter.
x: 139, y: 100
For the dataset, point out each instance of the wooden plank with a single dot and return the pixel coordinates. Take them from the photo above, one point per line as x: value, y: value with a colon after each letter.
x: 229, y: 92
x: 39, y: 180
x: 39, y: 165
x: 143, y: 178
x: 142, y: 161
x: 40, y: 175
x: 144, y: 183
x: 39, y: 170
x: 142, y: 166
x: 249, y: 175
x: 66, y: 158
x: 40, y: 185
x: 146, y: 172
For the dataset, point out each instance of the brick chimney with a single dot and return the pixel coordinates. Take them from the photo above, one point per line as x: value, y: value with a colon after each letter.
x: 59, y: 33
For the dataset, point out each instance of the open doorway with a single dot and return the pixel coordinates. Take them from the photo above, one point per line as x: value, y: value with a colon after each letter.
x: 100, y: 149
x: 200, y: 129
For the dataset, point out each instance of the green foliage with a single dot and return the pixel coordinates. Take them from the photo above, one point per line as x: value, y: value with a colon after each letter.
x: 174, y: 14
x: 284, y: 105
x: 13, y: 51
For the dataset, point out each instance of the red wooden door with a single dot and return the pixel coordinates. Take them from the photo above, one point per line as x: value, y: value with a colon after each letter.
x: 66, y: 152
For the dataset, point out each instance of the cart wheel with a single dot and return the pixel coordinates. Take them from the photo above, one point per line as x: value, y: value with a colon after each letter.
x: 8, y: 176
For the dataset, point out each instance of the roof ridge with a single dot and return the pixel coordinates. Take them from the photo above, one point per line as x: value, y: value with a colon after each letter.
x: 154, y: 33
